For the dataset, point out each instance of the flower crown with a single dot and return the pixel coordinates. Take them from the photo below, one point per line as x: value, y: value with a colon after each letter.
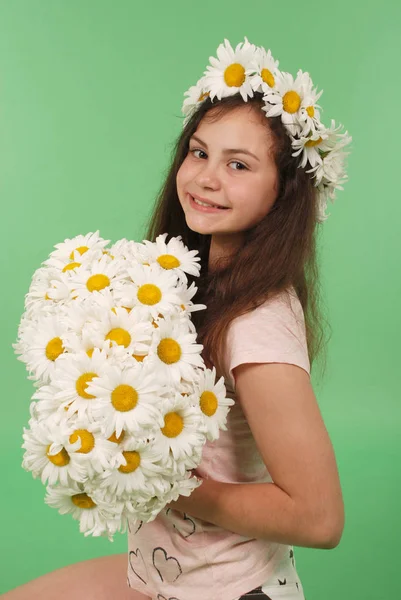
x: 249, y: 69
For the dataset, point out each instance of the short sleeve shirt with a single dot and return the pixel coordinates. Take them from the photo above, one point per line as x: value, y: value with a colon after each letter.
x: 179, y: 556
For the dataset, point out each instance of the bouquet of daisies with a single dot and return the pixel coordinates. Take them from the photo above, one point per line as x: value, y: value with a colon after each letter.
x: 123, y: 402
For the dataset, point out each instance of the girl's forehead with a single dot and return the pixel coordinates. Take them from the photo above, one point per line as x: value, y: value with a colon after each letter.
x: 234, y: 127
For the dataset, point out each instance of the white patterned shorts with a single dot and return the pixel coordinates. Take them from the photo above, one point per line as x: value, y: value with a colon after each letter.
x: 284, y: 585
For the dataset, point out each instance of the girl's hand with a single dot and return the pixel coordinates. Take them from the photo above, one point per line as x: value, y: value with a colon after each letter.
x: 201, y: 501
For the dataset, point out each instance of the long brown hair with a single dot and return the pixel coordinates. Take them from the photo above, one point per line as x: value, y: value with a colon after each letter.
x: 279, y: 252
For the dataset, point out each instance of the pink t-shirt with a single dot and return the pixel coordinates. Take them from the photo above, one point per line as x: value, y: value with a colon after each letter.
x: 180, y: 557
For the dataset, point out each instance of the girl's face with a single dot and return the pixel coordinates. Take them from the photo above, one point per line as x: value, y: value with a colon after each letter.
x: 230, y: 164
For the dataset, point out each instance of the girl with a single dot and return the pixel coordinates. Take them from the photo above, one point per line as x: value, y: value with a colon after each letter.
x: 249, y: 182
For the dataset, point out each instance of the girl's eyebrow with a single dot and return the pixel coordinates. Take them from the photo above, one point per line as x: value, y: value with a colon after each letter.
x: 227, y: 150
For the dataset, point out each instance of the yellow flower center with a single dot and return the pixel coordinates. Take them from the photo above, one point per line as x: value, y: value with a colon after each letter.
x: 208, y: 403
x: 234, y: 75
x: 173, y: 425
x: 267, y: 77
x: 60, y: 459
x: 149, y: 294
x: 133, y: 461
x: 97, y: 282
x: 82, y: 384
x: 124, y: 397
x: 47, y: 297
x: 83, y: 500
x: 115, y: 439
x: 203, y: 96
x: 310, y: 110
x: 121, y: 336
x: 311, y: 143
x: 90, y: 352
x: 54, y: 348
x: 81, y: 250
x: 168, y: 261
x: 87, y: 440
x: 127, y: 308
x: 138, y: 357
x: 291, y: 102
x: 70, y: 266
x: 154, y: 322
x: 169, y: 351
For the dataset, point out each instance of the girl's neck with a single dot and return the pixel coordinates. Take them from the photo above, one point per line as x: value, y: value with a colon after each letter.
x: 222, y: 249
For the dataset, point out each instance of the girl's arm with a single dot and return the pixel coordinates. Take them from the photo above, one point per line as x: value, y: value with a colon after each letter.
x: 304, y: 505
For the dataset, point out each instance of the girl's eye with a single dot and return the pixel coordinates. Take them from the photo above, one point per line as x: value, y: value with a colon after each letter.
x: 242, y: 167
x: 197, y: 150
x: 236, y: 162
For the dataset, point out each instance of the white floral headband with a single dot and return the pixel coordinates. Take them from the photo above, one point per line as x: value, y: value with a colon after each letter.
x: 249, y: 69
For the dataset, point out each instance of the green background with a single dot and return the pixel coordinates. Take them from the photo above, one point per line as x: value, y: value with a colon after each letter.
x: 90, y: 100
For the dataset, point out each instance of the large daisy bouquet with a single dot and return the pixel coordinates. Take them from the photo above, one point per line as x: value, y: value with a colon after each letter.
x: 123, y: 401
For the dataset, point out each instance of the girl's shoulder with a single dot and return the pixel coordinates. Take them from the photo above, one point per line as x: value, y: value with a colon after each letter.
x: 283, y: 305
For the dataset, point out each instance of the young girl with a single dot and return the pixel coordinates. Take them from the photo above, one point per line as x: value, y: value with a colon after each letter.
x: 248, y: 185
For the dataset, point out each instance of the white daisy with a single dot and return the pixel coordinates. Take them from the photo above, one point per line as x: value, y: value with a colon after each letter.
x: 331, y: 169
x: 309, y: 147
x: 86, y: 441
x: 174, y: 352
x: 47, y: 457
x: 124, y: 248
x: 194, y: 96
x: 46, y: 404
x: 309, y: 115
x: 231, y: 71
x: 76, y: 316
x: 146, y: 508
x: 120, y: 328
x: 174, y: 255
x: 264, y: 77
x: 95, y: 518
x: 94, y: 307
x: 137, y: 470
x: 47, y: 289
x: 325, y: 193
x: 75, y: 262
x: 86, y: 342
x: 183, y: 487
x: 181, y: 438
x: 153, y: 291
x: 43, y: 344
x: 73, y: 375
x: 286, y: 99
x: 127, y: 399
x: 98, y: 276
x: 188, y: 388
x: 122, y: 295
x: 142, y: 254
x: 186, y: 294
x: 213, y: 402
x: 20, y: 346
x: 78, y: 246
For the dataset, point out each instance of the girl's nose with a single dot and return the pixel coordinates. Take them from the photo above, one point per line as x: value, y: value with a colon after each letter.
x: 208, y: 178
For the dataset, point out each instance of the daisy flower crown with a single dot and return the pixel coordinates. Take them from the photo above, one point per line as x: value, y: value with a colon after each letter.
x: 248, y: 69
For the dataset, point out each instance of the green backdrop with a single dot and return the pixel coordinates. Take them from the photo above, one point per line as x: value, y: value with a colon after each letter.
x: 90, y: 99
